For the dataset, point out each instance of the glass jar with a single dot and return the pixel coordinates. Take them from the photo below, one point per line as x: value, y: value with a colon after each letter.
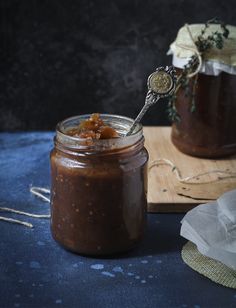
x: 209, y: 131
x: 98, y: 188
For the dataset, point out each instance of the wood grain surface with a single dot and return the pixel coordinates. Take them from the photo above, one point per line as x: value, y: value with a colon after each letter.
x: 164, y: 190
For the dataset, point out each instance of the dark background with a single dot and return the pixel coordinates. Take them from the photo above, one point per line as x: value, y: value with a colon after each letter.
x: 62, y: 58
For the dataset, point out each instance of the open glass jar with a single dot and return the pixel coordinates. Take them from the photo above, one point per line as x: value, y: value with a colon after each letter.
x: 210, y: 129
x: 98, y: 188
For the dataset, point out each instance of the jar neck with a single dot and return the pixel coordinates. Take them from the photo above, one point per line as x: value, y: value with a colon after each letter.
x: 114, y: 146
x: 130, y: 150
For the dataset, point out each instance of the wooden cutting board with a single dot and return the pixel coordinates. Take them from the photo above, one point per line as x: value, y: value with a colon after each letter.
x: 164, y: 190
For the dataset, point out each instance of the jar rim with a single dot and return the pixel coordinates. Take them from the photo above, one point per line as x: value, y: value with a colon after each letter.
x: 121, y: 123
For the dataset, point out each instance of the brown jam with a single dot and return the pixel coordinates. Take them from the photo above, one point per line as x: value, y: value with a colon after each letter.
x: 209, y: 131
x: 93, y: 128
x: 99, y: 192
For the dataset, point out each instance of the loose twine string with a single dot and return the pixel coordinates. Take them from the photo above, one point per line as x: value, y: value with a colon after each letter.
x: 176, y: 171
x: 40, y: 191
x: 37, y: 191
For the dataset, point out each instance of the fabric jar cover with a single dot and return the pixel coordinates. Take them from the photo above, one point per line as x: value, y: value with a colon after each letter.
x: 215, y: 60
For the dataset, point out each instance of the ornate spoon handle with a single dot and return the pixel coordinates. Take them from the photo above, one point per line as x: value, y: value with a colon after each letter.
x: 160, y: 84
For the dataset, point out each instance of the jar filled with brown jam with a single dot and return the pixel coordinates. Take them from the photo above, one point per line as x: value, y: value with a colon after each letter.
x: 98, y: 184
x: 209, y: 129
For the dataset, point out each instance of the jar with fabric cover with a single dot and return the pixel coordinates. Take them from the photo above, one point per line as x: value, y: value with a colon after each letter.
x: 210, y: 129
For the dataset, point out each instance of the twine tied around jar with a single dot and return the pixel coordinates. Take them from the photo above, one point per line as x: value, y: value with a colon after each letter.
x: 193, y: 49
x: 40, y: 191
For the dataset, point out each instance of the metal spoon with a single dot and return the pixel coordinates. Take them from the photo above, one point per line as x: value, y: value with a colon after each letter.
x: 160, y: 84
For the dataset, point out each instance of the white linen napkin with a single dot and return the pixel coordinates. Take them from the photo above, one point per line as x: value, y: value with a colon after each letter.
x: 212, y: 227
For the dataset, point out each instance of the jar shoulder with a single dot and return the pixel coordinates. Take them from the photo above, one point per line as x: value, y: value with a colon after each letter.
x: 102, y: 163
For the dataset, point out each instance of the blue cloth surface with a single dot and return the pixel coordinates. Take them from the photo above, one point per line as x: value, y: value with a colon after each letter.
x: 36, y: 272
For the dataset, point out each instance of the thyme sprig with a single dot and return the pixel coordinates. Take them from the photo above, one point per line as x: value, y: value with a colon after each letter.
x: 204, y: 44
